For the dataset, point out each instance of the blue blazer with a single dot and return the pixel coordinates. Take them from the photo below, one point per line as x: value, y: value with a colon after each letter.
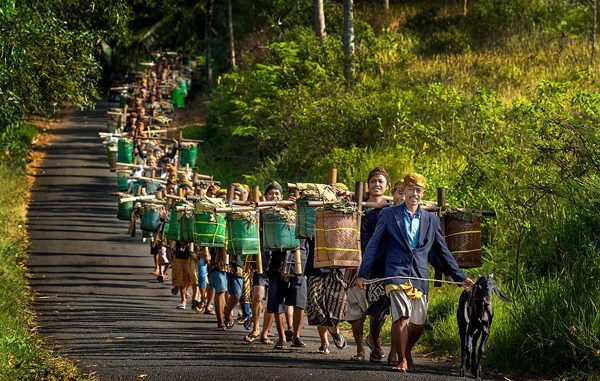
x: 390, y: 239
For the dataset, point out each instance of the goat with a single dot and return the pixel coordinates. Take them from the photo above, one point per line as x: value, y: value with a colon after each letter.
x: 474, y: 315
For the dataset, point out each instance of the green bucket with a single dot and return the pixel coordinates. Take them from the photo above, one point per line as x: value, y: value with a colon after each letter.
x: 122, y: 183
x: 187, y: 229
x: 151, y: 187
x: 125, y: 151
x: 150, y: 221
x: 180, y: 229
x: 209, y: 229
x: 242, y: 237
x: 178, y: 98
x: 138, y: 183
x: 188, y: 155
x: 124, y: 210
x: 306, y: 219
x: 278, y: 233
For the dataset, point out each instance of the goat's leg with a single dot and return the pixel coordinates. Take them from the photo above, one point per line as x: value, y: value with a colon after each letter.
x: 462, y: 332
x: 474, y: 341
x: 484, y: 337
x: 469, y: 347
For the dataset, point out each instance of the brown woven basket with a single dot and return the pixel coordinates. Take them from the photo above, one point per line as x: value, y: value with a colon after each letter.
x: 464, y: 241
x: 337, y: 240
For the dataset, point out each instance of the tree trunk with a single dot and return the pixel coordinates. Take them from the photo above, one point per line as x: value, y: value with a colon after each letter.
x: 465, y: 7
x: 230, y: 33
x: 207, y: 49
x: 319, y: 18
x: 386, y: 4
x: 594, y: 5
x: 348, y: 40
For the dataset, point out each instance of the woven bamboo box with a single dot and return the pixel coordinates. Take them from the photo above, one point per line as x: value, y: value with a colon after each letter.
x: 337, y: 239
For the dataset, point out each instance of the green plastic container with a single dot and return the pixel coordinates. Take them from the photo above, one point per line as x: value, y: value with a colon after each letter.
x: 125, y: 151
x: 188, y: 155
x: 186, y: 226
x: 178, y: 98
x: 180, y: 229
x: 172, y: 231
x: 306, y: 219
x: 151, y: 187
x: 278, y: 233
x: 122, y: 183
x: 209, y: 229
x: 124, y: 210
x: 136, y: 184
x: 183, y: 85
x: 242, y: 237
x: 150, y: 221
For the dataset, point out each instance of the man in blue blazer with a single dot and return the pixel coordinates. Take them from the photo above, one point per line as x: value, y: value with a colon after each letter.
x: 409, y: 237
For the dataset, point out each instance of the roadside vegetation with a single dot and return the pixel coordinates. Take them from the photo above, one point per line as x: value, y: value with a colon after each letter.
x: 500, y: 105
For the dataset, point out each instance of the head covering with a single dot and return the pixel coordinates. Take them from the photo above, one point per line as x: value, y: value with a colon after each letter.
x: 238, y: 188
x: 186, y: 184
x: 415, y: 179
x: 273, y: 185
x: 399, y: 184
x: 340, y: 186
x: 379, y: 171
x: 221, y: 193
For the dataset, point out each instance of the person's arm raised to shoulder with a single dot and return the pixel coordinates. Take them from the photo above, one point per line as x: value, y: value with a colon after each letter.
x: 372, y: 251
x: 444, y: 260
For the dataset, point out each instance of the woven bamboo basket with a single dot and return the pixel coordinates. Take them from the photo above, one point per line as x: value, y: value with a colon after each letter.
x: 337, y: 239
x: 278, y: 233
x: 150, y: 221
x: 210, y: 229
x: 305, y: 219
x: 242, y: 237
x: 464, y: 241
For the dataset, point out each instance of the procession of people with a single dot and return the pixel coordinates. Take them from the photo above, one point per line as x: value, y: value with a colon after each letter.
x: 273, y: 255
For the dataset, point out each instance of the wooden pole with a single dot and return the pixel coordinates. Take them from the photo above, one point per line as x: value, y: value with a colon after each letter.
x: 441, y: 201
x: 256, y: 200
x: 332, y: 176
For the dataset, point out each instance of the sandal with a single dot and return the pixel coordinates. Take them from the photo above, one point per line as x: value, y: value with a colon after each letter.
x: 376, y: 355
x: 160, y: 279
x: 289, y: 334
x: 399, y: 368
x: 280, y: 345
x: 266, y: 341
x: 297, y: 343
x: 251, y: 337
x: 174, y: 291
x: 229, y: 323
x: 323, y: 349
x: 220, y: 328
x: 209, y: 311
x: 392, y: 363
x: 358, y: 358
x: 338, y: 340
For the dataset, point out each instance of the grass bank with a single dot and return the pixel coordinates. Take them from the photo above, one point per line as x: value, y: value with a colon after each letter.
x: 24, y: 355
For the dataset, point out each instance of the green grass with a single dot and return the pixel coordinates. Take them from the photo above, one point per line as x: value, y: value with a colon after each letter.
x: 24, y: 355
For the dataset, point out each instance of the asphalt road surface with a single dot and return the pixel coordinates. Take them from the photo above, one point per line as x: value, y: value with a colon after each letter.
x: 98, y: 302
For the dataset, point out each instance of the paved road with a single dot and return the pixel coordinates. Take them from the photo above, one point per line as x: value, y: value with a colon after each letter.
x: 99, y: 303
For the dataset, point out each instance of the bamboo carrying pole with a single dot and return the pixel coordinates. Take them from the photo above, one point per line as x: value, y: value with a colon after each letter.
x: 441, y: 201
x: 256, y: 199
x: 332, y: 176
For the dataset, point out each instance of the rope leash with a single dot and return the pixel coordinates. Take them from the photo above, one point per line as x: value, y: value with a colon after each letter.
x: 369, y: 281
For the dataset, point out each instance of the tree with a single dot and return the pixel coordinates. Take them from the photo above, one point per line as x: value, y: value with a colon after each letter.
x: 230, y: 35
x: 319, y: 18
x: 207, y: 50
x: 349, y: 68
x: 386, y: 4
